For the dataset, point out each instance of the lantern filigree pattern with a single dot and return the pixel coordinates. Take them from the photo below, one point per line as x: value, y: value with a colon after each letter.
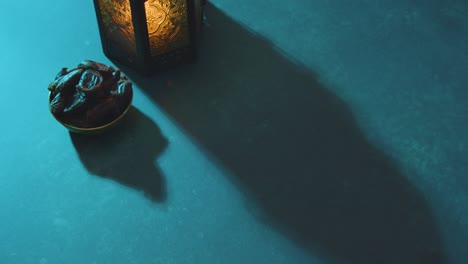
x: 167, y: 23
x: 118, y: 26
x: 149, y: 34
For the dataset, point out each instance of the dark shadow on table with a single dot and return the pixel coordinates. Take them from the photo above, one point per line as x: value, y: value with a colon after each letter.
x: 126, y: 154
x: 295, y: 150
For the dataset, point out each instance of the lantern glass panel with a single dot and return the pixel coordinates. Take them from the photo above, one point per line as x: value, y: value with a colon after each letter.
x: 118, y: 27
x: 168, y: 27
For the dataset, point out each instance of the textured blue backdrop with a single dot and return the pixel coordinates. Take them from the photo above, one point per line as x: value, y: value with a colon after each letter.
x: 308, y: 132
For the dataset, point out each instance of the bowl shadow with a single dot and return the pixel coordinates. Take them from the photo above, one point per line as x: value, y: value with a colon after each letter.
x: 126, y: 154
x: 295, y: 150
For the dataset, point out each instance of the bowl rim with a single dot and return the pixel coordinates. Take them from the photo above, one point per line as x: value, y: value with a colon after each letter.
x: 98, y: 128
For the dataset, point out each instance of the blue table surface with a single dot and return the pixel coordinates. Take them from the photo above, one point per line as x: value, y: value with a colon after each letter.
x: 307, y: 132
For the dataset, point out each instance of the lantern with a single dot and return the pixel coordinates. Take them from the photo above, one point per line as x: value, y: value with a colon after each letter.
x: 149, y: 34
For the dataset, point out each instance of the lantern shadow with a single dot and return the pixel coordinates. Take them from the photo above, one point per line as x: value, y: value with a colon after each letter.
x: 295, y: 151
x: 126, y: 154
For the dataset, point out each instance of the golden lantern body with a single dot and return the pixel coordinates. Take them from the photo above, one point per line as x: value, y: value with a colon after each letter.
x: 149, y: 34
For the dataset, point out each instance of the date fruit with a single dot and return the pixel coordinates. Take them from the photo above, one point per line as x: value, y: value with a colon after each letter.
x: 89, y: 95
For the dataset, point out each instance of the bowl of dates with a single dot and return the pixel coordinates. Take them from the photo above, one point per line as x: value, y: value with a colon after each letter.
x: 90, y: 98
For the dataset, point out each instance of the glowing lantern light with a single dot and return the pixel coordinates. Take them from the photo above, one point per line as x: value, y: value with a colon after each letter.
x: 149, y: 34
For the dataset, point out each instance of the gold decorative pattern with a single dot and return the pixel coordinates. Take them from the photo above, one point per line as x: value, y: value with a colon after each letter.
x: 118, y: 25
x: 167, y: 25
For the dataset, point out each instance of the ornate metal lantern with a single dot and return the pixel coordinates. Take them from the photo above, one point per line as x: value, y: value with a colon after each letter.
x: 149, y: 34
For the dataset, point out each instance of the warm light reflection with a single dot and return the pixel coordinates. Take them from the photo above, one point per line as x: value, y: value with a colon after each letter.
x: 167, y: 25
x: 117, y: 19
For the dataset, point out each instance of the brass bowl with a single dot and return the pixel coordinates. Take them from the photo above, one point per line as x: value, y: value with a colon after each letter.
x: 98, y: 129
